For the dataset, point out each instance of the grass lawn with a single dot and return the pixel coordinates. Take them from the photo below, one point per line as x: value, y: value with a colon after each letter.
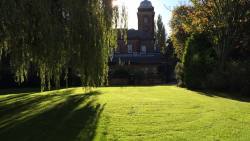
x: 157, y: 113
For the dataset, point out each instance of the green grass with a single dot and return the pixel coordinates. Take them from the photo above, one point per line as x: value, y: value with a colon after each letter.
x: 158, y: 113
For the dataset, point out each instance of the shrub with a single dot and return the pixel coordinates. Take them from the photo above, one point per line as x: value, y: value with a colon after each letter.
x: 234, y: 78
x: 121, y: 73
x: 217, y: 80
x: 198, y: 61
x: 239, y: 76
x: 139, y: 75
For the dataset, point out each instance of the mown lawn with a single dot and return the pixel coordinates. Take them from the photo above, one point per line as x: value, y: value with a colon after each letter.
x: 157, y: 113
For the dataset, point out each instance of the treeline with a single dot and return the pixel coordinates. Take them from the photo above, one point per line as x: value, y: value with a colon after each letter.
x: 53, y: 36
x: 212, y: 42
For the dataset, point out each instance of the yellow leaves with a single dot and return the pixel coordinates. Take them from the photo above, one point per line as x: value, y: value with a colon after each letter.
x: 181, y: 19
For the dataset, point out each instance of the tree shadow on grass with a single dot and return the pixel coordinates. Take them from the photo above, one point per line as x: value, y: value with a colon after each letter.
x: 73, y: 119
x: 19, y: 91
x: 231, y: 96
x: 14, y: 104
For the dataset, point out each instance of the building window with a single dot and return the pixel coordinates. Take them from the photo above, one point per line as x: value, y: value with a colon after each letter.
x: 143, y: 49
x: 130, y: 48
x: 145, y: 20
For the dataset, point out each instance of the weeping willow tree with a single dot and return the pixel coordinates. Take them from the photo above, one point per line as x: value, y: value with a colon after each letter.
x: 58, y: 35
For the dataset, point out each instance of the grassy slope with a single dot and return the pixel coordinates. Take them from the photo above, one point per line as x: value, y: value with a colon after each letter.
x: 129, y: 113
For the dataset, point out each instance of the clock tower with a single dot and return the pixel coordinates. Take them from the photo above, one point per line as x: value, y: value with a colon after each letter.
x: 146, y: 17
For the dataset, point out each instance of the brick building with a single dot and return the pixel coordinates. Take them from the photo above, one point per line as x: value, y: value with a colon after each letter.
x: 139, y: 54
x: 140, y: 41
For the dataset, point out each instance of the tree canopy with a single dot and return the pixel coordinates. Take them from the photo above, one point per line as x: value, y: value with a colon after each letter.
x: 220, y: 25
x: 225, y: 21
x: 181, y: 28
x: 57, y: 35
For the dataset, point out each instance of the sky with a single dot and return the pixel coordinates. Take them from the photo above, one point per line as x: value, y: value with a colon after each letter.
x: 162, y: 7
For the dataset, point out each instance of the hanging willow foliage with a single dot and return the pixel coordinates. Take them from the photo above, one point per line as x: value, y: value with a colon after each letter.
x: 58, y: 35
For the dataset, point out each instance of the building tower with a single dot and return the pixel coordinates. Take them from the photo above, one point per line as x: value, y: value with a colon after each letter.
x: 146, y: 17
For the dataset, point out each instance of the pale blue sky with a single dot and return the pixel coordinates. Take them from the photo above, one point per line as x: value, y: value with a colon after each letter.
x: 163, y: 7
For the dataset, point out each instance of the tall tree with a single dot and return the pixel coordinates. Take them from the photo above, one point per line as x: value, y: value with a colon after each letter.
x: 223, y: 19
x: 160, y: 34
x: 181, y: 25
x: 57, y: 35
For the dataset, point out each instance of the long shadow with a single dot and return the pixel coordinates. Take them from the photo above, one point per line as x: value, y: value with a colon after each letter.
x: 74, y: 119
x: 23, y: 91
x: 19, y: 91
x: 25, y: 101
x: 22, y: 103
x: 12, y: 97
x: 231, y: 96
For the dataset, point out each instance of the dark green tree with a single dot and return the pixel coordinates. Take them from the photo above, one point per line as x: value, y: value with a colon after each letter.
x: 58, y: 35
x: 198, y: 61
x: 160, y: 34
